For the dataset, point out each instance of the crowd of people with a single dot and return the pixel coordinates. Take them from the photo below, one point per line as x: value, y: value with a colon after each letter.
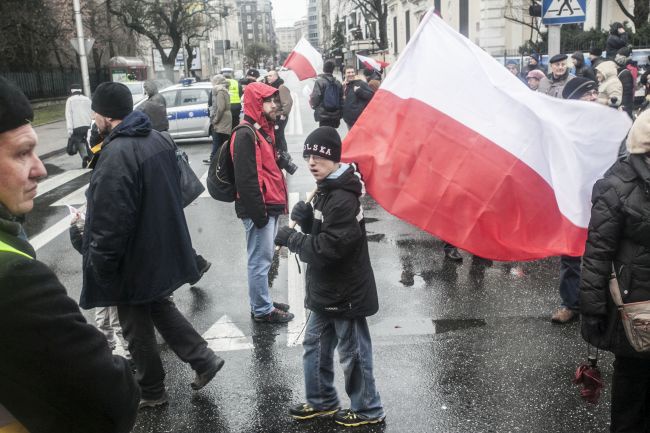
x: 133, y: 260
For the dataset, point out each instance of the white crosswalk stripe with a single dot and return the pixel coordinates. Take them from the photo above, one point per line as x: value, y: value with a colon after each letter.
x: 54, y: 182
x: 225, y: 336
x: 73, y: 199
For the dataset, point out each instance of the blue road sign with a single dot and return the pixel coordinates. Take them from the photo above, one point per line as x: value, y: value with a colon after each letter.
x: 564, y: 11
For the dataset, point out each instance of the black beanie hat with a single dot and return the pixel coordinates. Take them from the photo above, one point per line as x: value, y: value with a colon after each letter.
x: 595, y: 51
x: 15, y: 109
x: 578, y: 86
x: 112, y: 100
x: 324, y: 142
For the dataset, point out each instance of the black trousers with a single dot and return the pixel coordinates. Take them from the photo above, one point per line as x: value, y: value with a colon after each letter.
x: 235, y: 111
x: 630, y: 396
x: 280, y: 141
x: 138, y: 323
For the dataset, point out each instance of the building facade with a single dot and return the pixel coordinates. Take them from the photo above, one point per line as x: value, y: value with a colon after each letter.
x: 287, y: 38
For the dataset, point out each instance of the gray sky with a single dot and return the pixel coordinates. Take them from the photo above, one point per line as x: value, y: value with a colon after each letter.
x: 287, y: 12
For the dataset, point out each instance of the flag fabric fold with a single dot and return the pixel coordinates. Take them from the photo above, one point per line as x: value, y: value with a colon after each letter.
x: 371, y: 63
x: 304, y: 60
x: 464, y: 150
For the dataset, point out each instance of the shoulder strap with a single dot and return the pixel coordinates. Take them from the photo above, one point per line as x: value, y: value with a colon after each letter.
x: 9, y: 249
x: 250, y: 128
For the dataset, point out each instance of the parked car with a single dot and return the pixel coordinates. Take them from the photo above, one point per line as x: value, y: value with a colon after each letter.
x: 187, y: 109
x: 137, y: 90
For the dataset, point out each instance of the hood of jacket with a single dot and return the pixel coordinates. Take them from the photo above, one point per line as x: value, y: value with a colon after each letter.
x: 136, y: 124
x: 349, y: 180
x: 254, y: 96
x: 219, y: 80
x: 608, y: 69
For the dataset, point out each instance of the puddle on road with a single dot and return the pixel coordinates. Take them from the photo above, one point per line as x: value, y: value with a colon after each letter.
x: 448, y: 325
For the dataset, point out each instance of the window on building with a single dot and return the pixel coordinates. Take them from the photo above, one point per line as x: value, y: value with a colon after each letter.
x: 463, y: 18
x: 250, y: 36
x: 407, y: 24
x: 249, y: 26
x: 395, y: 51
x: 249, y: 18
x: 248, y: 8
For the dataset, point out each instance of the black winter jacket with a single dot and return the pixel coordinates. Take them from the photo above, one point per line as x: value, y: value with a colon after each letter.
x: 614, y: 43
x: 357, y: 95
x: 317, y: 95
x: 57, y: 373
x: 619, y: 234
x: 136, y: 245
x: 339, y: 278
x: 625, y: 76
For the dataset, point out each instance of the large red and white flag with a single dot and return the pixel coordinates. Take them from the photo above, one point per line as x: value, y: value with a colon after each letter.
x: 304, y: 60
x: 455, y: 144
x: 371, y: 63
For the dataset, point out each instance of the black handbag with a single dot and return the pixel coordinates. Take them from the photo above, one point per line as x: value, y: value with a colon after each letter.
x: 71, y: 147
x: 191, y: 186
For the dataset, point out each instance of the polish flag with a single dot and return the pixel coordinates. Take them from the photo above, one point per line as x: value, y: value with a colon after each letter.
x: 304, y: 60
x: 371, y: 63
x: 462, y: 149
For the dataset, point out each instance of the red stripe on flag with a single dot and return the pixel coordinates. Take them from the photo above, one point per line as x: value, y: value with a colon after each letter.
x: 432, y: 171
x: 300, y: 65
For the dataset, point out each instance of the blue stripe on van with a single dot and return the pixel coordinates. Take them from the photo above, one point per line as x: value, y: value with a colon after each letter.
x: 190, y: 114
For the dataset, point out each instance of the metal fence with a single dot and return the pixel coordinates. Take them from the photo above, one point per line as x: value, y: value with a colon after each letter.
x: 53, y: 83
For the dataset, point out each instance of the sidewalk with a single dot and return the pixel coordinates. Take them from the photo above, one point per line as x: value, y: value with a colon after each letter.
x: 52, y: 139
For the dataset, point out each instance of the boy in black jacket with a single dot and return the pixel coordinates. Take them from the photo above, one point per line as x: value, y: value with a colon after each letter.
x: 341, y: 289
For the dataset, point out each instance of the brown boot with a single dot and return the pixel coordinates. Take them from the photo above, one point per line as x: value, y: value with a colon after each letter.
x: 564, y: 315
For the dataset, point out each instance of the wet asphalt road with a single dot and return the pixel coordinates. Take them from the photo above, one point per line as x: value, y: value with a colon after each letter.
x: 457, y: 347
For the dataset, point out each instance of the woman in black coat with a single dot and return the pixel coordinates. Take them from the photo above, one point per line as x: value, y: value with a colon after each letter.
x: 619, y: 238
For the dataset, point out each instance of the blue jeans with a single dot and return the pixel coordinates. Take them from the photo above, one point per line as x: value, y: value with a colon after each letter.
x: 322, y: 335
x: 260, y: 248
x: 570, y: 282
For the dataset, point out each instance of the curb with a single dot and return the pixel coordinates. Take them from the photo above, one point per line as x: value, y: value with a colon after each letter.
x: 52, y: 154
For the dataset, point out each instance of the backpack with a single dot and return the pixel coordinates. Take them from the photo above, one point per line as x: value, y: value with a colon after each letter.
x: 331, y: 97
x: 221, y: 174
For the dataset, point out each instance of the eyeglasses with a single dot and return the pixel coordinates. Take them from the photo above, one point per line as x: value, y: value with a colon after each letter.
x: 315, y: 157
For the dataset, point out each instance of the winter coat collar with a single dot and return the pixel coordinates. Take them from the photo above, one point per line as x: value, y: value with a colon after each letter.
x: 640, y: 166
x: 349, y: 180
x: 10, y: 224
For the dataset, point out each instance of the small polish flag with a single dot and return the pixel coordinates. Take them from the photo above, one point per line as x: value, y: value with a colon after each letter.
x: 371, y: 63
x: 304, y: 60
x: 465, y: 151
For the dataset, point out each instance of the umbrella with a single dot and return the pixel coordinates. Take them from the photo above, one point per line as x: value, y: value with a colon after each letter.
x: 588, y: 375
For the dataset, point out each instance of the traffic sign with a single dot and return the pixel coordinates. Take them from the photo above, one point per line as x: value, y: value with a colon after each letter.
x: 563, y: 11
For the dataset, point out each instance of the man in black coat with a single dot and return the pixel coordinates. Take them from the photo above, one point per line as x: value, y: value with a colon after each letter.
x: 136, y: 244
x: 627, y: 80
x: 57, y: 373
x: 340, y: 287
x: 357, y: 95
x: 326, y: 98
x: 155, y: 107
x: 616, y: 40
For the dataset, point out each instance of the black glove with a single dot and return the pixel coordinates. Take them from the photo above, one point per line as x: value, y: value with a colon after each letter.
x: 282, y: 238
x: 302, y: 213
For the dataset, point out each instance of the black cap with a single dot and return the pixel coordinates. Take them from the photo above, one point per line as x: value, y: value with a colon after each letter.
x: 324, y: 142
x: 578, y: 86
x: 253, y: 73
x: 112, y: 100
x: 15, y: 109
x: 625, y: 51
x: 558, y: 58
x: 595, y: 51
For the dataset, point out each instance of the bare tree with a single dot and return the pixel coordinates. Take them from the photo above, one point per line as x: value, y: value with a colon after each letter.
x: 639, y: 14
x: 374, y: 10
x: 166, y: 23
x: 516, y: 11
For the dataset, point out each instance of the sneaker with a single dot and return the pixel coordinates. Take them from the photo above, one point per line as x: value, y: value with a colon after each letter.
x: 454, y: 255
x: 348, y: 418
x: 203, y: 265
x: 304, y: 411
x: 202, y: 379
x: 275, y: 316
x: 154, y: 402
x: 278, y: 305
x: 564, y: 315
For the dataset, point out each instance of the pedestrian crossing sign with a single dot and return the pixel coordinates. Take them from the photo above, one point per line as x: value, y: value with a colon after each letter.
x: 563, y: 11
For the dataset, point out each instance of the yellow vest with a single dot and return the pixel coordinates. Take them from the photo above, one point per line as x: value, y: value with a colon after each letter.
x: 9, y: 249
x: 233, y: 89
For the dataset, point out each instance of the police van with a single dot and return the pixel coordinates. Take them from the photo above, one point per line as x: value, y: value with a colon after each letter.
x: 187, y: 109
